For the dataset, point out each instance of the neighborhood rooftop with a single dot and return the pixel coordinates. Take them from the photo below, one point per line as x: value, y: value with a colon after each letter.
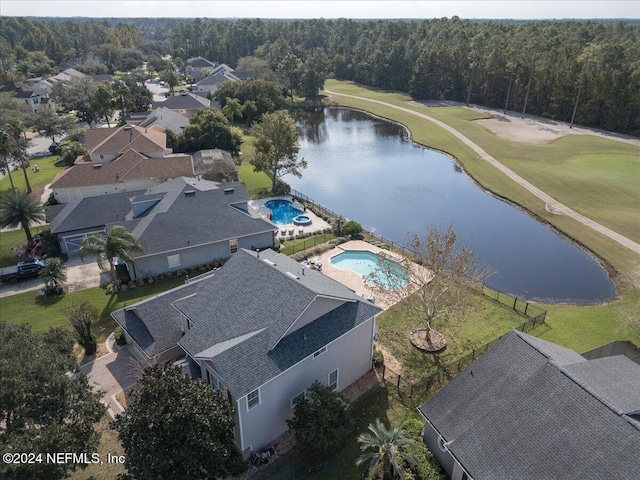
x: 531, y: 409
x: 269, y: 293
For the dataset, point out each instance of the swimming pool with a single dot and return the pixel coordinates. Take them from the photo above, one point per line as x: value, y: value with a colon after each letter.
x: 283, y: 211
x: 365, y: 263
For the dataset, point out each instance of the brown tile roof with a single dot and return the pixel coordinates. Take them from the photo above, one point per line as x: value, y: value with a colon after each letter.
x: 121, y: 139
x: 129, y: 166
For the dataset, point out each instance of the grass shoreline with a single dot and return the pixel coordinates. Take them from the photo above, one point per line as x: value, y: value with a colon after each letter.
x: 619, y: 262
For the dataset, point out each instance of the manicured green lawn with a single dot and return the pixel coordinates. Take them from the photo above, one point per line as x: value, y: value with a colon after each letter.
x: 255, y: 182
x: 43, y: 313
x: 49, y: 168
x: 578, y: 170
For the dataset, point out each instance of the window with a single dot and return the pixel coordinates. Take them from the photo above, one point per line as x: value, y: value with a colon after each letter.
x: 298, y: 398
x: 173, y: 261
x: 319, y: 352
x: 233, y: 244
x: 253, y: 399
x: 333, y: 380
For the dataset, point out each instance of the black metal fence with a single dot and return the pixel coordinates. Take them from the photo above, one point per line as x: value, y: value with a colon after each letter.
x: 410, y: 387
x: 529, y: 310
x: 295, y: 246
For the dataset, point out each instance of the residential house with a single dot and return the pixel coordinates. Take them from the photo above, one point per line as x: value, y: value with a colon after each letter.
x: 221, y: 75
x: 162, y: 119
x: 200, y: 67
x: 181, y: 223
x: 107, y: 144
x: 217, y: 164
x: 261, y: 330
x: 32, y: 97
x: 530, y: 409
x: 185, y: 104
x: 129, y: 172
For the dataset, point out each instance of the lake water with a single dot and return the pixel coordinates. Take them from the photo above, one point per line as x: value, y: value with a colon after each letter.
x: 367, y: 170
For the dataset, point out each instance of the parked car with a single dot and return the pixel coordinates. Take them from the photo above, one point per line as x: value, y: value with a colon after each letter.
x: 15, y: 273
x: 53, y: 148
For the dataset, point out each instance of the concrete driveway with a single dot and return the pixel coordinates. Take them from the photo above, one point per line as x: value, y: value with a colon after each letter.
x: 157, y: 91
x: 80, y: 275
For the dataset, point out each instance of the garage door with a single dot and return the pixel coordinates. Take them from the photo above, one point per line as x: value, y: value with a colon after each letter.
x: 72, y: 243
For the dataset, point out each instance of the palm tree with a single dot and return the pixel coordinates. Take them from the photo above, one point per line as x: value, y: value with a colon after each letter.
x: 55, y: 272
x: 233, y: 108
x: 388, y: 455
x: 15, y: 130
x: 5, y: 152
x: 118, y: 242
x: 20, y: 208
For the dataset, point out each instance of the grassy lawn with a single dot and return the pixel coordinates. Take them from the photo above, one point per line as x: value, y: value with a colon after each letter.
x: 10, y: 239
x: 586, y: 163
x: 254, y: 181
x: 109, y: 444
x: 49, y: 168
x: 298, y: 244
x: 43, y: 313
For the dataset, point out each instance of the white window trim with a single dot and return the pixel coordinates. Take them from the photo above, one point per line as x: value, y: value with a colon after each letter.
x: 317, y: 353
x: 173, y: 257
x: 304, y: 395
x: 259, y: 399
x: 337, y: 372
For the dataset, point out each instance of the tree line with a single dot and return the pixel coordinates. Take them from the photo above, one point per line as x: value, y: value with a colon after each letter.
x: 588, y: 71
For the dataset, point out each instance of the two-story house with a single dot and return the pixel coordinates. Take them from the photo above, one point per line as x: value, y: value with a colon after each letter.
x: 261, y: 329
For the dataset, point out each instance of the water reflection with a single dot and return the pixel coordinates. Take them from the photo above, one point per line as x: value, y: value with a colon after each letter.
x: 365, y: 169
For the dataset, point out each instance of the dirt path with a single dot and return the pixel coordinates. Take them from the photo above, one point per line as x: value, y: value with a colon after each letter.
x: 552, y: 205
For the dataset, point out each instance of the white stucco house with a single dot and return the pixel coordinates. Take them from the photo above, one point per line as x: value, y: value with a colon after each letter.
x: 261, y: 330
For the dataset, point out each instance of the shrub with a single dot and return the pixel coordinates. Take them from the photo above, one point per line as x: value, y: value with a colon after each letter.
x: 141, y: 282
x: 352, y: 228
x: 110, y: 289
x: 378, y: 359
x: 124, y: 288
x: 426, y: 466
x: 323, y: 420
x: 81, y: 316
x: 118, y: 334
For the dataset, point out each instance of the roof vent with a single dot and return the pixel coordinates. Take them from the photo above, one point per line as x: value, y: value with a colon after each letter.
x: 128, y: 127
x: 293, y: 275
x: 97, y: 166
x: 228, y: 190
x: 268, y: 262
x: 189, y: 193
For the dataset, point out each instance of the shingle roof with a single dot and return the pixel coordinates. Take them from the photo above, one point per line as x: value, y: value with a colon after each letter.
x: 162, y: 325
x: 240, y: 316
x: 177, y: 221
x: 128, y: 166
x: 200, y: 62
x: 183, y: 102
x: 207, y: 216
x: 121, y: 139
x: 214, y: 79
x: 166, y: 119
x: 520, y: 411
x: 93, y: 212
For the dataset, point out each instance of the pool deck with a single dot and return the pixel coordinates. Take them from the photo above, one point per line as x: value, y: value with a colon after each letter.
x: 351, y: 279
x: 289, y: 231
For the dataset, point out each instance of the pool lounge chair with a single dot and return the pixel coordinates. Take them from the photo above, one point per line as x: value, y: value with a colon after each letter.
x: 290, y: 230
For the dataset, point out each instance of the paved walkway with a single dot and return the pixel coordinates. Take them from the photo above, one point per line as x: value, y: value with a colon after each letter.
x: 112, y: 373
x: 552, y: 205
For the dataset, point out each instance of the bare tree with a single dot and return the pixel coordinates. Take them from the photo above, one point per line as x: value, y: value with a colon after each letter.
x: 434, y: 285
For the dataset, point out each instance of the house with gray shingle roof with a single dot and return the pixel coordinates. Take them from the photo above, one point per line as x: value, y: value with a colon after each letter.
x: 530, y: 409
x: 185, y: 104
x: 199, y: 66
x: 261, y: 329
x: 181, y: 223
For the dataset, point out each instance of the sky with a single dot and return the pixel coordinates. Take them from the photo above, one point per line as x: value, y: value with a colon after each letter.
x: 468, y: 9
